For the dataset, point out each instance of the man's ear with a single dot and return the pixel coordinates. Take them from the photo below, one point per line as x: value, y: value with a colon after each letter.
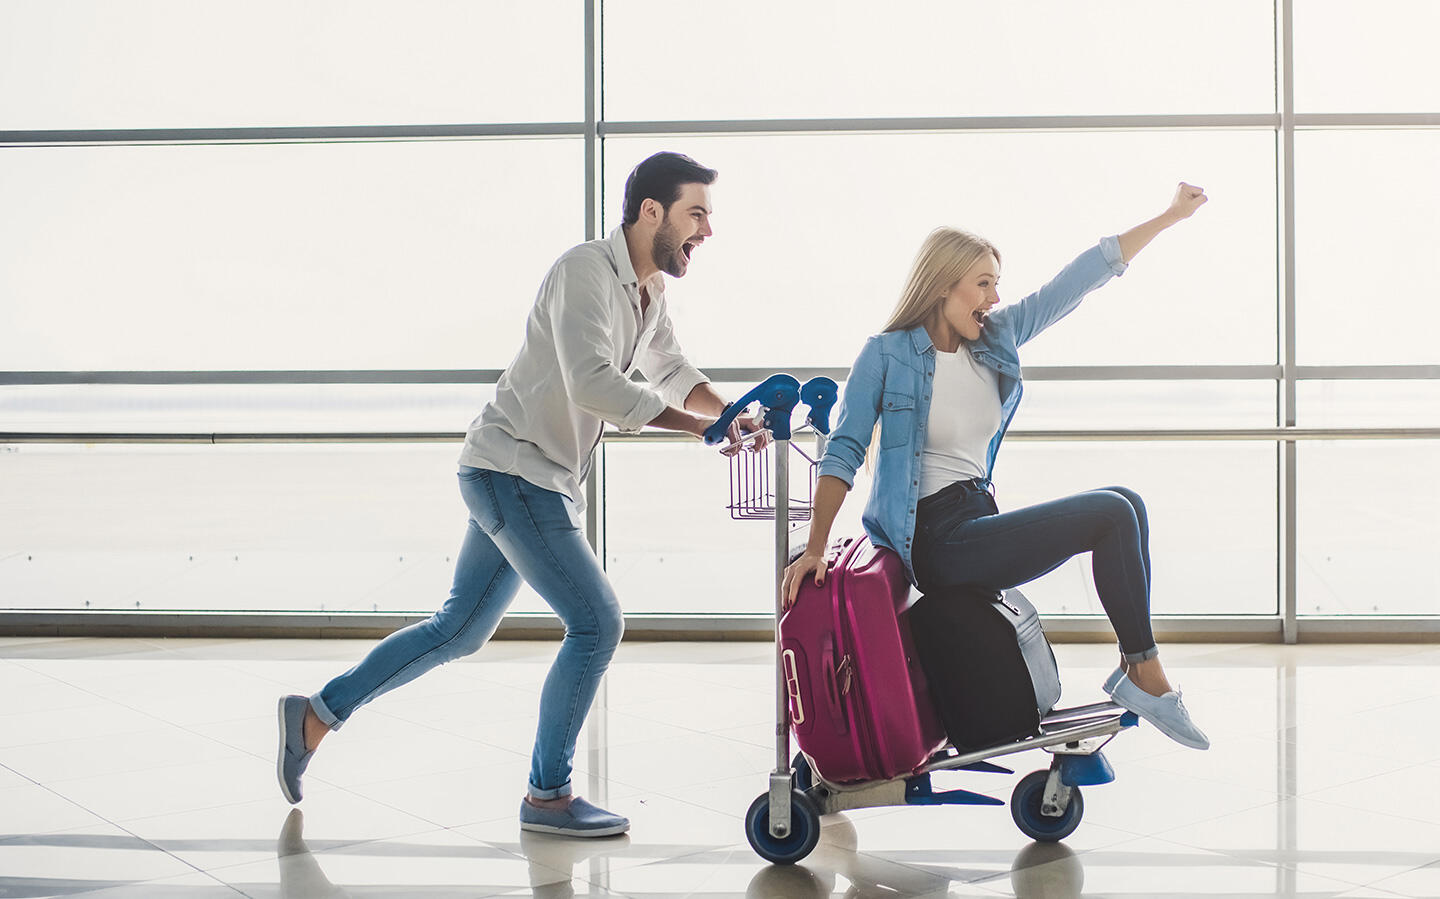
x: 651, y: 211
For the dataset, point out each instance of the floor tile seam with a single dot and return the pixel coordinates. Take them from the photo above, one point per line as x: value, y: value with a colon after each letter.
x: 161, y: 880
x: 1203, y: 779
x: 1236, y: 811
x: 728, y: 848
x: 145, y: 714
x: 1125, y: 837
x: 1281, y: 864
x: 151, y: 843
x: 570, y: 875
x: 236, y: 752
x: 336, y: 845
x: 459, y: 736
x: 1355, y: 808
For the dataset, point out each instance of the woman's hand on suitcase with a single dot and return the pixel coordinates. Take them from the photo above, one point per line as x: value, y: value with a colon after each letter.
x: 796, y: 572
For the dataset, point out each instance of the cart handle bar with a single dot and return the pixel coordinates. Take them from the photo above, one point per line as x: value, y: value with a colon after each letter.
x: 777, y: 396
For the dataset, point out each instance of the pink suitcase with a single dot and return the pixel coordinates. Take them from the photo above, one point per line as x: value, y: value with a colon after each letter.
x: 858, y: 703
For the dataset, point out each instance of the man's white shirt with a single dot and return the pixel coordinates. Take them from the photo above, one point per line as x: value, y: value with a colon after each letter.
x: 586, y: 335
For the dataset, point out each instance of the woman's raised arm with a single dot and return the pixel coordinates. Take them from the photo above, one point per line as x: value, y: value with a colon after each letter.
x: 1188, y: 198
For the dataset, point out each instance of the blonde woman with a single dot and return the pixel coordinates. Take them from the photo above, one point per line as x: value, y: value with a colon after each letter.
x: 942, y: 382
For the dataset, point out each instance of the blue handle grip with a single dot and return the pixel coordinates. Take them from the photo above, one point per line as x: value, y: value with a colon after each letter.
x: 819, y: 394
x: 778, y: 394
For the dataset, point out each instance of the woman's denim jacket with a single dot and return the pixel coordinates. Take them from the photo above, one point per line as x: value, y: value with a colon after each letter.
x: 892, y: 380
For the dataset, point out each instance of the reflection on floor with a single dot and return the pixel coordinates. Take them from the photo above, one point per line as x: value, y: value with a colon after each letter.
x: 145, y: 768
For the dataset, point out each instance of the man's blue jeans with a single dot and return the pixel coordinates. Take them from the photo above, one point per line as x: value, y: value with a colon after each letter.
x: 962, y: 539
x: 516, y: 530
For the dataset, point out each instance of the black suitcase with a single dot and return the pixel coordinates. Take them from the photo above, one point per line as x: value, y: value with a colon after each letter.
x: 990, y: 669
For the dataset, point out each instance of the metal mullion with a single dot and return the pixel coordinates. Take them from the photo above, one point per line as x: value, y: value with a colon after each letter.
x: 594, y: 223
x: 1285, y: 211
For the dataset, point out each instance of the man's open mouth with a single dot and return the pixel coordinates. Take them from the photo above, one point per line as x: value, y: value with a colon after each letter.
x: 687, y: 248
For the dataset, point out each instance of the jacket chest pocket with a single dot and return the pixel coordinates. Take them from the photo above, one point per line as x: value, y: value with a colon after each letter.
x: 897, y: 419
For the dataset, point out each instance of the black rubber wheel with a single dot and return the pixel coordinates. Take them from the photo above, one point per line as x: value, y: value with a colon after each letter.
x: 804, y: 777
x: 1025, y: 805
x: 804, y: 829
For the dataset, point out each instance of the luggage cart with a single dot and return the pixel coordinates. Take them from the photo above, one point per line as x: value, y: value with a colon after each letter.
x: 783, y: 823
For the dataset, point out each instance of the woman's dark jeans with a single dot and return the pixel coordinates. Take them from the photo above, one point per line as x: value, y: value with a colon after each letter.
x: 962, y: 539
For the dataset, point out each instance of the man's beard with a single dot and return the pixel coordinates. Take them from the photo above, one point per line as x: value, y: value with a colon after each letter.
x: 666, y: 252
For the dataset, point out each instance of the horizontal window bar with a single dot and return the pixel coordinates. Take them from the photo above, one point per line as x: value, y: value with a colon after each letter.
x: 882, y: 124
x: 356, y: 376
x: 758, y: 627
x: 1034, y: 436
x: 318, y: 134
x: 721, y: 374
x: 1351, y: 120
x: 1366, y: 372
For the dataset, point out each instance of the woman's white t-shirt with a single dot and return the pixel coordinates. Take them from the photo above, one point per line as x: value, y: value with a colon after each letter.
x: 964, y: 416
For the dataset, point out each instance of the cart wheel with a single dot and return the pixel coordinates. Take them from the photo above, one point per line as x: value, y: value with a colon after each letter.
x: 804, y: 829
x: 1025, y: 805
x: 804, y: 777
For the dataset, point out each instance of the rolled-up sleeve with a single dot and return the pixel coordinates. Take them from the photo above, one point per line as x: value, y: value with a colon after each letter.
x: 577, y: 296
x: 859, y: 408
x: 1057, y: 299
x: 664, y: 364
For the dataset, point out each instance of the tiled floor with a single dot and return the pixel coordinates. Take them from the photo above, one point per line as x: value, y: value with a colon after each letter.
x: 145, y: 768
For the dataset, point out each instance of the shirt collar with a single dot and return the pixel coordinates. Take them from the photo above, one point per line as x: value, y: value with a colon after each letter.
x: 621, y: 250
x: 920, y: 339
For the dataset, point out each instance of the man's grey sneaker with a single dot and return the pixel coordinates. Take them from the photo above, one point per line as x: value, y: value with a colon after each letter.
x: 1113, y: 679
x: 292, y: 757
x: 1166, y: 712
x: 581, y: 819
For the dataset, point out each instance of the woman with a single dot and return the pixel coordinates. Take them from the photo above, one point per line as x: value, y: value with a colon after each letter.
x: 937, y: 389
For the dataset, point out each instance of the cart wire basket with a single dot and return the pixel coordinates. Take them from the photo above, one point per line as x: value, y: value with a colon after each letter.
x: 752, y: 490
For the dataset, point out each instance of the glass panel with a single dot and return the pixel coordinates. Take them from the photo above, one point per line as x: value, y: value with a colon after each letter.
x: 802, y: 269
x: 1383, y: 61
x: 247, y: 408
x: 1364, y: 247
x: 173, y: 64
x: 296, y: 256
x: 1087, y: 405
x: 1369, y: 516
x: 1213, y: 540
x: 671, y: 544
x: 1213, y: 544
x: 1368, y: 404
x: 291, y: 528
x: 937, y: 59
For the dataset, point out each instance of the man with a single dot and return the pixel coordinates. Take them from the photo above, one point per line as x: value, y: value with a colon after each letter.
x: 600, y: 315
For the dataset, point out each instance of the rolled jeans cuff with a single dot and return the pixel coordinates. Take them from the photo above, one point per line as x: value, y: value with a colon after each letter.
x: 322, y: 711
x: 1133, y: 657
x: 557, y: 793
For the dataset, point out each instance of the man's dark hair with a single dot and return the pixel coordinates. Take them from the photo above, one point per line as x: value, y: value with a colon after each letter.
x: 660, y: 178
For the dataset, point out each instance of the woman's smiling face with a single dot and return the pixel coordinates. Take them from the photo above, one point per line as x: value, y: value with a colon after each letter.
x: 970, y: 299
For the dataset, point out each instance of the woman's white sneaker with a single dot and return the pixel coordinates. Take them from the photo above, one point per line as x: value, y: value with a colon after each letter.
x: 1167, y: 712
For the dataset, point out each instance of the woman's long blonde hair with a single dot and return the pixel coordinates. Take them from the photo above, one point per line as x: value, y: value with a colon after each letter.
x: 944, y: 258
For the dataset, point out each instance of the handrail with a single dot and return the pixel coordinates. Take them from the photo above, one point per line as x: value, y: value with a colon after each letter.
x: 731, y: 374
x: 1147, y: 435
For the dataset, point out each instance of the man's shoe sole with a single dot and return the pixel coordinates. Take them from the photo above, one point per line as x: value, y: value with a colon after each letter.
x: 573, y: 832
